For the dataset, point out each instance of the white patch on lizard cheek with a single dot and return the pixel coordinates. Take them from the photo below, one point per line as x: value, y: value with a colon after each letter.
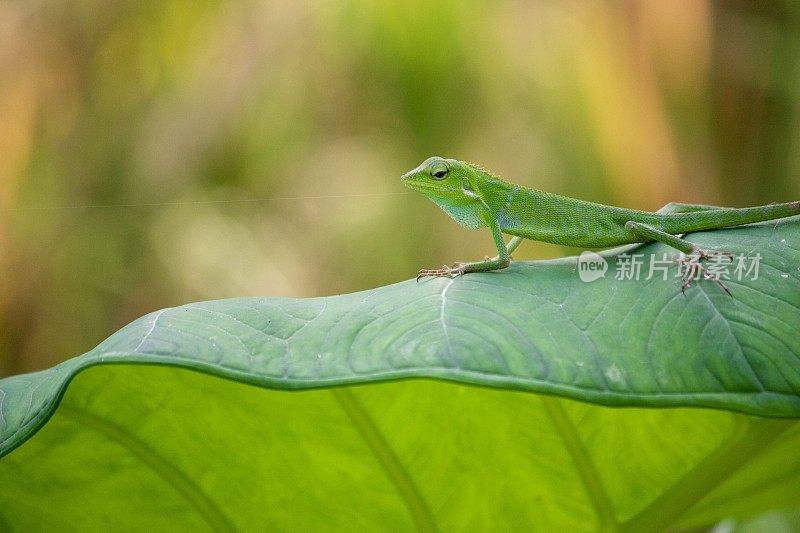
x: 466, y: 189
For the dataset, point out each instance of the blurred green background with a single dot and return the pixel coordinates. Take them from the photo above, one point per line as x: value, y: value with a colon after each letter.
x: 158, y: 152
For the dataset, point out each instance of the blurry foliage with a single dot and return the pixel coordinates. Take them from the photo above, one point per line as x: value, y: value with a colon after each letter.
x: 154, y: 153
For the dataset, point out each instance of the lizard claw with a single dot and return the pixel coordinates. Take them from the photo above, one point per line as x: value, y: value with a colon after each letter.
x: 695, y: 270
x: 446, y: 271
x: 702, y: 254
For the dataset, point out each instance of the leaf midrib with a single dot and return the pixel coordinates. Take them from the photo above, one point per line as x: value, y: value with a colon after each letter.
x: 387, y: 458
x: 197, y: 499
x: 583, y: 463
x: 719, y: 465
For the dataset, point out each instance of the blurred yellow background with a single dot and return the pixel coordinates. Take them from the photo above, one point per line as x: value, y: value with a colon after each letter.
x: 154, y: 153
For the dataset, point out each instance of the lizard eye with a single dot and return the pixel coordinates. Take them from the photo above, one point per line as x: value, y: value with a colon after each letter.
x: 439, y: 172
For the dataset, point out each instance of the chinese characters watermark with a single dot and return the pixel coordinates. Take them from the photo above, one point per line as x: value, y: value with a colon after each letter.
x: 592, y: 266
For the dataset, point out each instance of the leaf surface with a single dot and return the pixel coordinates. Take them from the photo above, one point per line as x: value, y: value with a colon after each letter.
x: 519, y: 429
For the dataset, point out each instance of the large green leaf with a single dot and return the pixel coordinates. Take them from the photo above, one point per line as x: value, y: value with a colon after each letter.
x: 140, y: 446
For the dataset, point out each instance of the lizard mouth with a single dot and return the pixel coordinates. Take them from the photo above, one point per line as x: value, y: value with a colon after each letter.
x: 409, y: 181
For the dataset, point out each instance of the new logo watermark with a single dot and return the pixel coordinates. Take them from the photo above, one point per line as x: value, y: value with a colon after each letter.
x: 592, y: 266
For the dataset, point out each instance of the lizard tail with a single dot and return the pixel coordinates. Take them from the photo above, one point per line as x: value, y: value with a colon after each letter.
x: 727, y: 217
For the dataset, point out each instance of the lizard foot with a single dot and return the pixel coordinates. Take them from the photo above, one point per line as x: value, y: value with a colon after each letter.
x: 693, y: 269
x: 446, y: 271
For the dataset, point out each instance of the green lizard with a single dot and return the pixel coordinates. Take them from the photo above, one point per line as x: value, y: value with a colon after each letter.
x: 476, y: 198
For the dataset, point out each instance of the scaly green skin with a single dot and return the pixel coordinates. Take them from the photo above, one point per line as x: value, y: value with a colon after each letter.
x: 476, y: 198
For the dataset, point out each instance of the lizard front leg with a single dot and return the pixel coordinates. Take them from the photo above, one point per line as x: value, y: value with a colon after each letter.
x: 498, y: 263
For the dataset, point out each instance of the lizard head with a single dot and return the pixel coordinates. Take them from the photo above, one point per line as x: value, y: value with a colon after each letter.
x: 449, y: 183
x: 437, y: 176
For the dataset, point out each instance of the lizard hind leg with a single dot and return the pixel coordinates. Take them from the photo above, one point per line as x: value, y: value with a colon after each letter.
x: 677, y: 207
x: 693, y: 254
